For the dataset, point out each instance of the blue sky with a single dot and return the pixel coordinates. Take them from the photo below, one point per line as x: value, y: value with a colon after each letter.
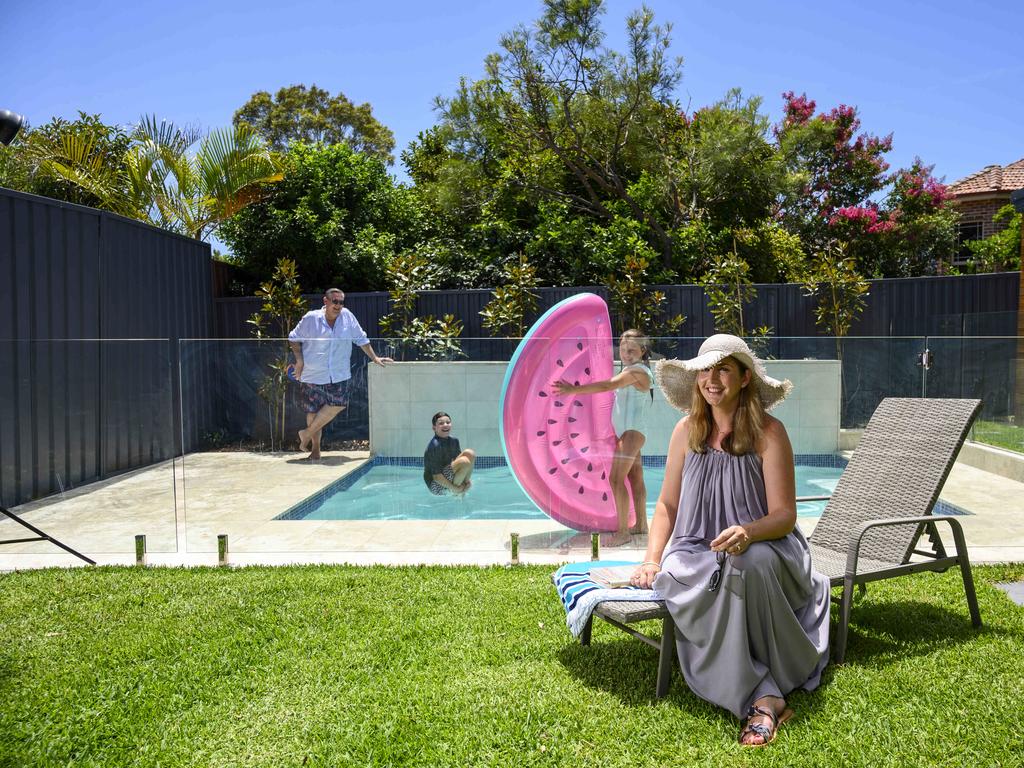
x: 945, y: 77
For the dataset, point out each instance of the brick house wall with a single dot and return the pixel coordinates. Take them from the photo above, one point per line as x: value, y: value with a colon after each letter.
x: 980, y: 210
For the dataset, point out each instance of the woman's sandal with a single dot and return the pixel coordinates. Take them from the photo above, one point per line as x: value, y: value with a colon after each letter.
x: 761, y: 729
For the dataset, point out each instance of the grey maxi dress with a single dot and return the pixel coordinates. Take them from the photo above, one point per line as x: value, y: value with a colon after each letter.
x: 764, y: 632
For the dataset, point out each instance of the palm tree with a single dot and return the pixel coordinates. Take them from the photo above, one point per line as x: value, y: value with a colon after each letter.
x: 149, y: 173
x: 194, y: 193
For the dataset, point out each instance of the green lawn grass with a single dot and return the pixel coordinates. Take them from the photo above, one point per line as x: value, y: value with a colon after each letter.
x: 1000, y: 434
x: 340, y: 666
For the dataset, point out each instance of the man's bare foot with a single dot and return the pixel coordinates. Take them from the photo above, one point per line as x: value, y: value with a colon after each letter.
x: 314, y: 456
x: 617, y: 539
x: 640, y: 528
x: 304, y: 440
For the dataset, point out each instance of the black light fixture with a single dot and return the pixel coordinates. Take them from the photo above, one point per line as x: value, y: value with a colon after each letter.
x: 10, y: 124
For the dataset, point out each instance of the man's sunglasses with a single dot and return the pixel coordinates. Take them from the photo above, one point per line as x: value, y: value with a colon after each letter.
x: 716, y: 578
x: 337, y: 302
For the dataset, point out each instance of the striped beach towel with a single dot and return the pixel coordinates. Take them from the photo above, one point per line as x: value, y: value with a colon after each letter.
x: 580, y: 594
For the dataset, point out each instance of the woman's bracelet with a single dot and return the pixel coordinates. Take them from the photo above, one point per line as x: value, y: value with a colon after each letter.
x: 650, y: 562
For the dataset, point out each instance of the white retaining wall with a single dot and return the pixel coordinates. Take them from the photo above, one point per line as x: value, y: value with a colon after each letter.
x: 404, y: 397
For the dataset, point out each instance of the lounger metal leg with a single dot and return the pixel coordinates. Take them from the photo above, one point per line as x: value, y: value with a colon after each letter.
x: 587, y: 629
x: 666, y: 655
x: 965, y: 572
x: 839, y: 645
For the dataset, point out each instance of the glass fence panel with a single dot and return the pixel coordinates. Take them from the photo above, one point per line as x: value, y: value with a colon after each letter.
x: 366, y: 494
x: 987, y: 368
x: 986, y: 485
x: 90, y: 432
x: 244, y: 475
x: 87, y: 446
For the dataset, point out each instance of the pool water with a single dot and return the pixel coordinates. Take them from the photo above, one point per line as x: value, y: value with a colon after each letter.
x: 392, y: 492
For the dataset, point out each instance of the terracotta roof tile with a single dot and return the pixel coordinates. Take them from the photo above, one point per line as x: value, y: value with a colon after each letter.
x: 992, y: 178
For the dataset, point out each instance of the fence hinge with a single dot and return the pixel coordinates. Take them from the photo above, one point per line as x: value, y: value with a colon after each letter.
x: 925, y: 359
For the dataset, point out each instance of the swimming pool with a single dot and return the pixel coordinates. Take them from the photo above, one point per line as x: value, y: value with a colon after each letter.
x: 393, y: 489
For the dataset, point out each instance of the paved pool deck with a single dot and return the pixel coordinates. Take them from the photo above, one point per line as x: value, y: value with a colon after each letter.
x: 182, y: 506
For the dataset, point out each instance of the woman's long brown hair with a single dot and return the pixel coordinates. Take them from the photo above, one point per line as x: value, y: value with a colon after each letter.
x: 747, y: 425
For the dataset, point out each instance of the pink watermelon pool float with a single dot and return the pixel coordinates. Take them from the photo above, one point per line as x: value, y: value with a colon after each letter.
x: 560, y: 448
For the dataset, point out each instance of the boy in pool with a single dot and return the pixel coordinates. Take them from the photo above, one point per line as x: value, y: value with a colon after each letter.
x: 446, y: 467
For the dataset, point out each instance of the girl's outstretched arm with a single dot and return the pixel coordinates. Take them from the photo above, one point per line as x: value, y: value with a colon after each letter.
x: 624, y: 379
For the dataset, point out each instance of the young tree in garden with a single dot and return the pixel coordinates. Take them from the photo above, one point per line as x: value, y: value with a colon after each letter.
x: 296, y: 113
x: 282, y: 308
x: 729, y: 289
x: 336, y: 213
x: 513, y: 304
x: 840, y: 292
x: 434, y: 339
x: 636, y: 305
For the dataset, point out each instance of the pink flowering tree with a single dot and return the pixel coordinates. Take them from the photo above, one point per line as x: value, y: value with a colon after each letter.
x: 837, y: 179
x: 922, y: 236
x: 831, y: 166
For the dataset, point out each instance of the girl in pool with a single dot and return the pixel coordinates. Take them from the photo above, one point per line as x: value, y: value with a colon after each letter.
x: 634, y: 394
x: 446, y: 467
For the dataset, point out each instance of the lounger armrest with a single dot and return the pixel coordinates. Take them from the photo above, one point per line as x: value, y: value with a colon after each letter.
x: 853, y: 553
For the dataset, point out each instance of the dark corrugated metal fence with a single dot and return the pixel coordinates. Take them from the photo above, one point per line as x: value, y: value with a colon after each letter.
x: 91, y: 307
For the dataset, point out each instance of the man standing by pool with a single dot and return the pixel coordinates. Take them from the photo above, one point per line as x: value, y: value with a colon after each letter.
x: 322, y: 344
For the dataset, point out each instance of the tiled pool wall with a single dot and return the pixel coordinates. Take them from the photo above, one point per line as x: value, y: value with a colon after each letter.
x: 404, y: 396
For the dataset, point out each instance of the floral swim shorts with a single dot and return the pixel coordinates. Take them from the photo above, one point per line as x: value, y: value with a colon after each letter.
x: 316, y: 396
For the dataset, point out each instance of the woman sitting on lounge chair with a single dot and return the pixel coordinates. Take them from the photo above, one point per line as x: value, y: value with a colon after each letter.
x: 724, y: 550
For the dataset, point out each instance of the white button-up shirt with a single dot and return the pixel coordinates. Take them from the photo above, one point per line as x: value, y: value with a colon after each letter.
x: 327, y: 351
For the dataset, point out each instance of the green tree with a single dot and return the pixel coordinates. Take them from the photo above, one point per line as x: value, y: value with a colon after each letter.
x: 565, y: 118
x: 79, y: 161
x: 999, y: 252
x: 300, y: 114
x: 722, y: 165
x: 336, y: 213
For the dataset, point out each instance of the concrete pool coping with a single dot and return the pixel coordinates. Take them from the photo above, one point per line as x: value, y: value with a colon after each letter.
x: 182, y: 505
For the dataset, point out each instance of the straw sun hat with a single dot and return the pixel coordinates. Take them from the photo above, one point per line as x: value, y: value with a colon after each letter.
x: 677, y: 377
